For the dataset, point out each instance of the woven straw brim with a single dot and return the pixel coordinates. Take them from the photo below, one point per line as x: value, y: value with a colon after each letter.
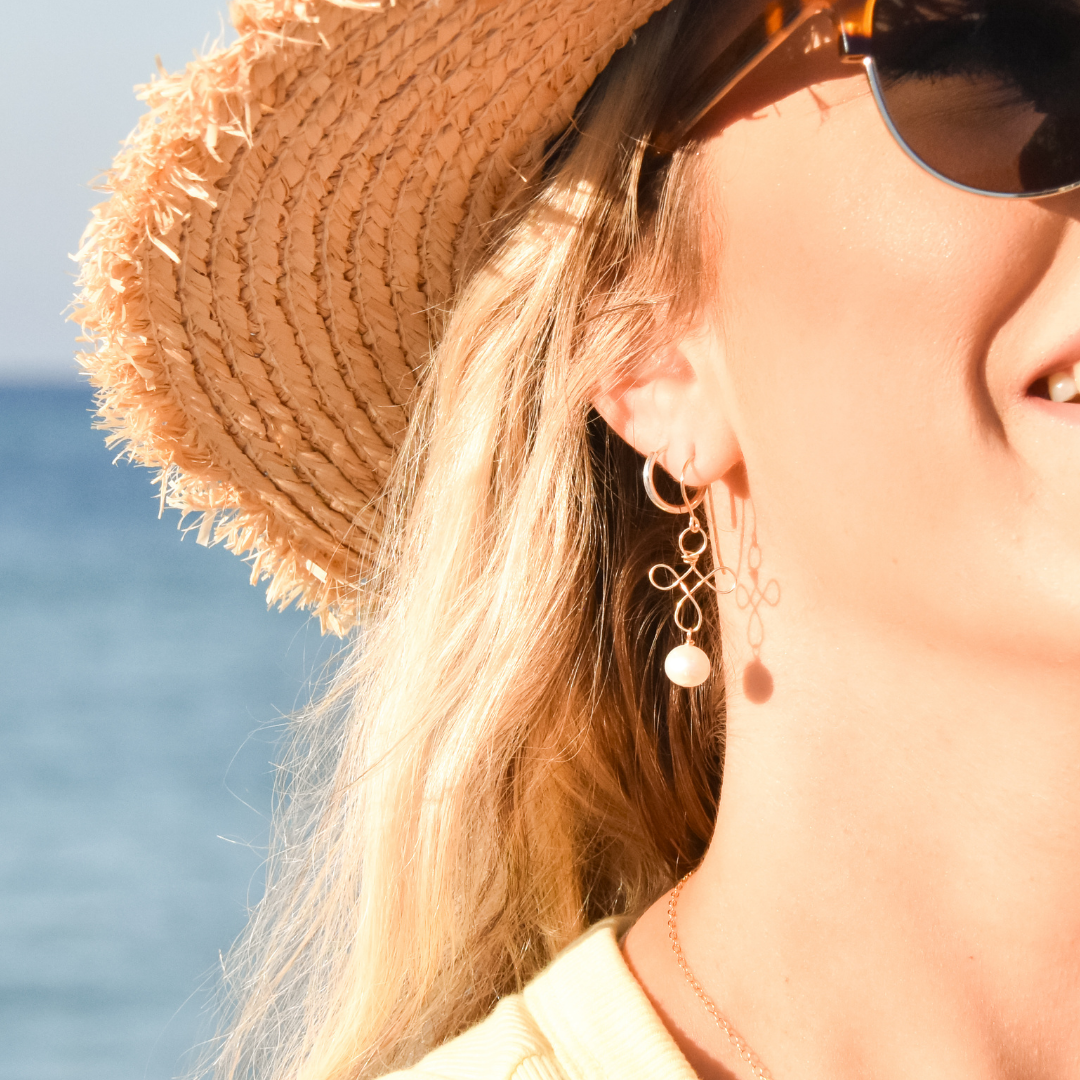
x: 262, y: 287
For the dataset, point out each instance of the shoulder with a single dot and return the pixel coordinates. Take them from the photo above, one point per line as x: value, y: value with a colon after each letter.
x: 508, y: 1045
x: 583, y: 1018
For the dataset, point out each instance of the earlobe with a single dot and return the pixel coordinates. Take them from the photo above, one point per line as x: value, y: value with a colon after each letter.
x: 676, y: 400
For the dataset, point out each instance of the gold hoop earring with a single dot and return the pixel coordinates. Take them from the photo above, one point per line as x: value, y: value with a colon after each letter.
x: 686, y: 664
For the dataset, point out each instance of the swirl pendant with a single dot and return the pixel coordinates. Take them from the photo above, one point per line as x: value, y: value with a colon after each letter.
x: 686, y: 665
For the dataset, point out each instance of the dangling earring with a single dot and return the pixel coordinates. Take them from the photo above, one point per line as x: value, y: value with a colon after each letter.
x: 686, y: 664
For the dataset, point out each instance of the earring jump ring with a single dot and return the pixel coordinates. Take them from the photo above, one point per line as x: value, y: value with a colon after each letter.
x: 658, y: 500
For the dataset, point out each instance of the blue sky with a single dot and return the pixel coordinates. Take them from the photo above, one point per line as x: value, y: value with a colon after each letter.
x: 68, y: 101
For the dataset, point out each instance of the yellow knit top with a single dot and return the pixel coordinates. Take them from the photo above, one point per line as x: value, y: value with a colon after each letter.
x: 583, y: 1018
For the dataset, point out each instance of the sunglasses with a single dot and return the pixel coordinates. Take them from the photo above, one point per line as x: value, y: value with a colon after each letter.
x: 983, y: 94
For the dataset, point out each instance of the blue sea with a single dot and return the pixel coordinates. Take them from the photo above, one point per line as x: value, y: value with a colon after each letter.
x: 142, y: 689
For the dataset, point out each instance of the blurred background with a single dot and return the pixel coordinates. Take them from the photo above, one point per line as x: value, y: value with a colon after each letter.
x: 143, y: 683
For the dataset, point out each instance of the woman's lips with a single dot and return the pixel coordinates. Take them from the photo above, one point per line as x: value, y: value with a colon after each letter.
x: 1057, y: 378
x: 1067, y: 413
x: 1053, y: 388
x: 1058, y: 393
x: 1059, y: 383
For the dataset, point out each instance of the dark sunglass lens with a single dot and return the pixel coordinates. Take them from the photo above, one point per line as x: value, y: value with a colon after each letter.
x: 986, y: 92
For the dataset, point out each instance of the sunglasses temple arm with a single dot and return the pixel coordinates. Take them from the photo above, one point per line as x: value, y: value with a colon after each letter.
x: 667, y: 139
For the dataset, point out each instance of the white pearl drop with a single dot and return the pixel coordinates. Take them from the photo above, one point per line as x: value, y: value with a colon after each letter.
x: 1062, y: 386
x: 687, y: 665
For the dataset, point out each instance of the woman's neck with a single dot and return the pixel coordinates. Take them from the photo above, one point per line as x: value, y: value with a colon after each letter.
x: 893, y: 888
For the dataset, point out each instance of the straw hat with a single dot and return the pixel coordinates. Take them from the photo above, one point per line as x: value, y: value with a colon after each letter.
x: 286, y: 217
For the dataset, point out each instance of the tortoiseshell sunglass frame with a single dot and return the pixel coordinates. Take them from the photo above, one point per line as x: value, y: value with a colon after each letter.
x: 773, y: 24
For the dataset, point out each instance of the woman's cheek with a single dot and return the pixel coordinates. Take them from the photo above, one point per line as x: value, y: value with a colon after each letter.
x: 860, y: 297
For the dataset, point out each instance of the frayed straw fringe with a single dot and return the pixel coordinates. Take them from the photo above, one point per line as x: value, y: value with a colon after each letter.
x: 284, y: 226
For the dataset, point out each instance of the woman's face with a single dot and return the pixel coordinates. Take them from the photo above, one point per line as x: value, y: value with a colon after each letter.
x: 880, y: 338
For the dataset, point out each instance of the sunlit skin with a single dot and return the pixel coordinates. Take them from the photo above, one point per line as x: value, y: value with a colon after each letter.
x: 893, y: 888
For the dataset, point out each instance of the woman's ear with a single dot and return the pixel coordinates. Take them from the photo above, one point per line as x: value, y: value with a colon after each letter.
x: 676, y: 401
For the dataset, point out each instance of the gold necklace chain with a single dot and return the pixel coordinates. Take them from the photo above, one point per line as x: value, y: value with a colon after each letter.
x: 722, y: 1021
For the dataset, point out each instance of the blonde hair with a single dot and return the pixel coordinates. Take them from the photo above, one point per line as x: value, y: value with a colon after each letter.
x: 500, y: 762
